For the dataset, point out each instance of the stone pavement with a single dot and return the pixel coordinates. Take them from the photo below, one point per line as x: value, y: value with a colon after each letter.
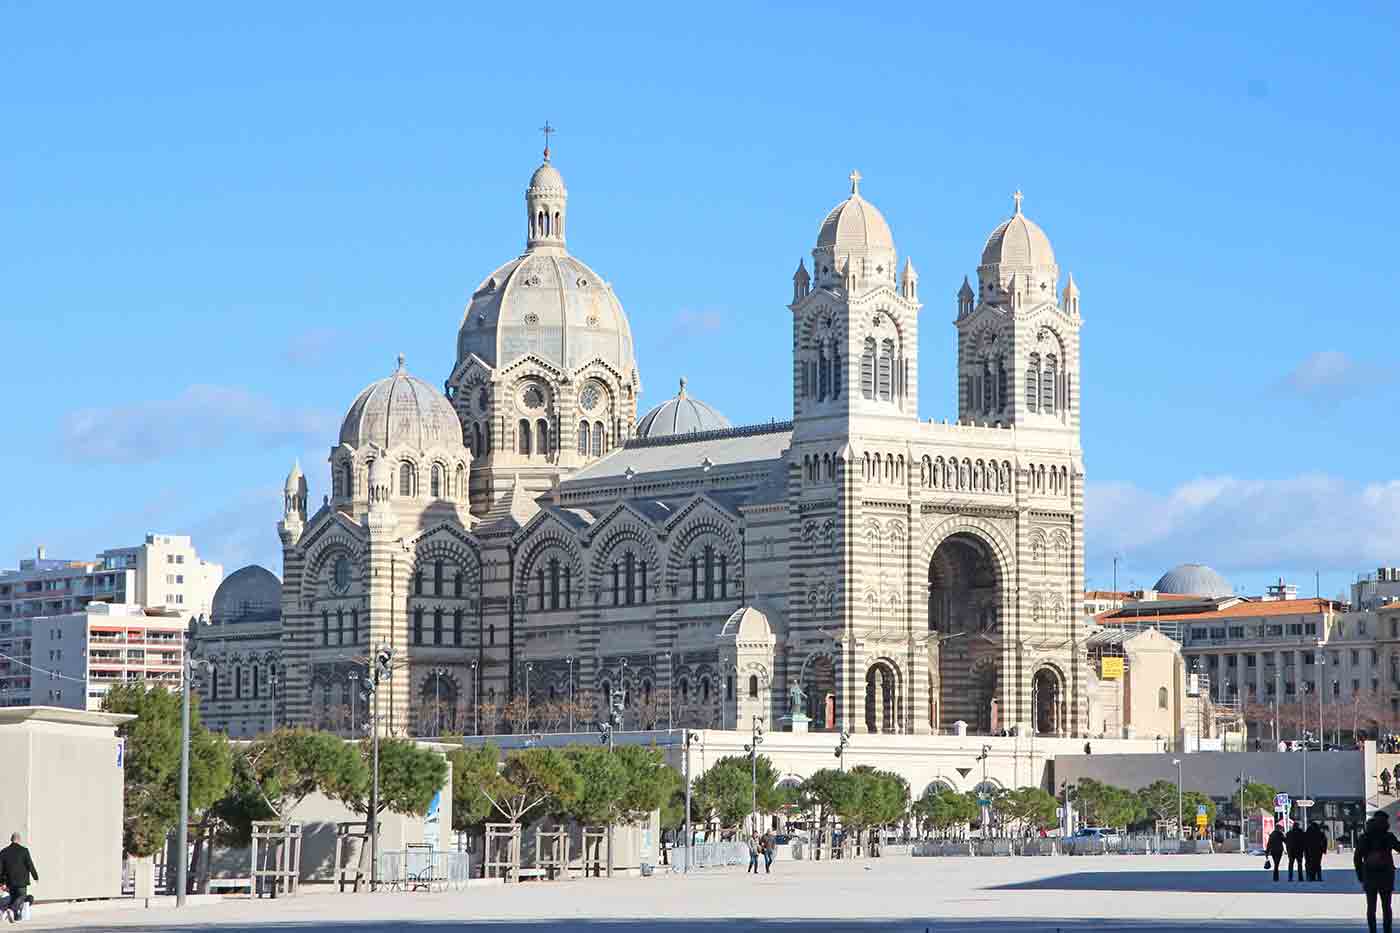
x: 1161, y: 894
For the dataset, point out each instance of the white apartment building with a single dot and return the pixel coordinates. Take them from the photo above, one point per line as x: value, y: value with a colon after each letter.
x: 170, y: 574
x: 77, y: 657
x: 1374, y: 590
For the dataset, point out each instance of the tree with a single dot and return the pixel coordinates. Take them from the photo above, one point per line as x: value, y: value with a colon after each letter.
x: 1259, y: 796
x: 943, y: 808
x: 602, y: 780
x: 1025, y: 807
x: 409, y: 777
x: 1105, y: 805
x: 152, y: 764
x: 1192, y: 799
x: 530, y: 779
x: 472, y: 769
x: 1159, y: 800
x: 291, y: 764
x: 726, y: 790
x: 649, y: 782
x: 881, y: 798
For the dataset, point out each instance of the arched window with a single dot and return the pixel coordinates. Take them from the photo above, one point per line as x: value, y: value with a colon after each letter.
x: 1047, y: 386
x: 753, y: 686
x: 237, y: 682
x: 583, y: 438
x: 568, y: 587
x: 987, y: 386
x: 325, y: 627
x: 348, y: 478
x: 256, y: 685
x: 867, y: 369
x: 522, y: 431
x: 835, y: 372
x: 1033, y: 383
x: 554, y: 583
x: 1161, y: 697
x: 457, y: 626
x: 694, y: 579
x: 437, y: 626
x: 685, y: 690
x: 541, y: 437
x: 435, y: 488
x: 405, y: 479
x: 598, y: 439
x: 340, y: 626
x: 823, y: 376
x: 477, y: 448
x: 729, y: 687
x: 1001, y: 383
x: 214, y: 683
x: 418, y: 626
x: 437, y: 577
x: 461, y: 482
x: 354, y: 626
x: 886, y: 370
x: 616, y: 583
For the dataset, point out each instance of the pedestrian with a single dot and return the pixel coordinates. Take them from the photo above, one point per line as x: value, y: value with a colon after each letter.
x: 1375, y: 866
x: 1294, y: 841
x: 766, y: 843
x: 1274, y: 847
x: 16, y: 870
x: 1385, y: 781
x: 1314, y: 845
x: 753, y: 852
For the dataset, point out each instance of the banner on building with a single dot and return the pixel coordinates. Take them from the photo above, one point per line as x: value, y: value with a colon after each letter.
x: 1111, y: 669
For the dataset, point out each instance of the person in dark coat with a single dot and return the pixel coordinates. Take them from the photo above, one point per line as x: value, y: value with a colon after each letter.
x: 16, y: 870
x: 1274, y: 848
x: 1375, y: 867
x: 1294, y: 841
x: 1314, y: 847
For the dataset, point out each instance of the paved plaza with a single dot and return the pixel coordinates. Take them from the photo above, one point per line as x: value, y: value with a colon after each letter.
x: 1163, y: 894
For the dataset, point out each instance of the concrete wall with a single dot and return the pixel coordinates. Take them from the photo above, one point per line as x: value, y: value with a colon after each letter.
x: 61, y: 787
x: 1330, y: 775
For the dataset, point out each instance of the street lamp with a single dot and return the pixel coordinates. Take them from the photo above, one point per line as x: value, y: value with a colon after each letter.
x: 382, y: 670
x: 606, y: 730
x: 1179, y: 826
x: 670, y: 689
x: 476, y: 707
x: 1321, y: 732
x: 621, y: 694
x: 438, y: 674
x: 690, y: 737
x: 841, y: 750
x: 570, y: 662
x: 182, y: 833
x: 354, y: 678
x: 755, y: 740
x: 530, y: 666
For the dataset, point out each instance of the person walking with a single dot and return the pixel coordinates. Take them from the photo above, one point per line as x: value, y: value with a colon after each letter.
x: 1274, y: 847
x: 1314, y: 845
x: 1375, y: 867
x: 766, y: 843
x: 753, y: 853
x: 1294, y: 841
x: 16, y: 870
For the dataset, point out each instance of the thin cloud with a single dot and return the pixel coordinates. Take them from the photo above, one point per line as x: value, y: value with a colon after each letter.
x: 691, y: 322
x: 1330, y: 376
x: 201, y: 418
x: 1312, y: 520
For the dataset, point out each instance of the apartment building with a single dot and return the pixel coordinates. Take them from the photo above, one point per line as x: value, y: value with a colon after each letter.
x: 169, y: 574
x: 78, y: 656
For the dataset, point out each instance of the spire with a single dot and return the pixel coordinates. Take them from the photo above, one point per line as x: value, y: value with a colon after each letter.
x: 911, y: 280
x: 681, y: 394
x: 801, y: 282
x: 548, y: 131
x: 399, y: 368
x: 1017, y: 198
x: 967, y: 299
x: 855, y: 177
x: 1069, y: 298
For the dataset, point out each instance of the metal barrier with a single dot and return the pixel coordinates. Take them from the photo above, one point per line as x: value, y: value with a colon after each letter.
x: 421, y: 869
x: 710, y: 855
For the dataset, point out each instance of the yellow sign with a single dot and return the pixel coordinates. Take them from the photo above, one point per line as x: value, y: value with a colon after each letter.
x: 1200, y: 819
x: 1111, y: 668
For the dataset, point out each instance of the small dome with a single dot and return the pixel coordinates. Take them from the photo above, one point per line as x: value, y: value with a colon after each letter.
x: 1018, y: 242
x: 1193, y: 580
x: 401, y: 411
x: 547, y: 177
x: 747, y: 624
x: 249, y: 594
x: 681, y: 415
x: 855, y: 225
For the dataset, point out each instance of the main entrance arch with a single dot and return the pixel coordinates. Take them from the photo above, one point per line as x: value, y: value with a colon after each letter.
x: 965, y: 607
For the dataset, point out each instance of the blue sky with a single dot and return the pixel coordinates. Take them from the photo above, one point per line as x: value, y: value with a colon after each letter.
x: 216, y: 231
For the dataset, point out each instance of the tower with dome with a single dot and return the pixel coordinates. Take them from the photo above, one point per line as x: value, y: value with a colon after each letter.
x: 523, y: 533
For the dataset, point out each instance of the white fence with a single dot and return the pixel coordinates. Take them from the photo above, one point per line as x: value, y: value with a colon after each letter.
x: 710, y: 855
x: 423, y: 869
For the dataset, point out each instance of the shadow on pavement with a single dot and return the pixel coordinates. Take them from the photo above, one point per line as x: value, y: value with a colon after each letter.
x: 983, y: 924
x: 1197, y: 882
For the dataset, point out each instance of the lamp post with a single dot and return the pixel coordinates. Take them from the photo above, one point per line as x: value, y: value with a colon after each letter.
x: 1307, y: 737
x: 1179, y: 827
x: 530, y: 666
x: 1321, y: 732
x: 1278, y: 687
x: 841, y: 750
x: 570, y: 662
x: 622, y: 694
x: 607, y: 729
x: 182, y: 831
x: 685, y: 767
x: 1244, y: 824
x: 476, y: 707
x: 438, y: 674
x: 670, y: 689
x: 354, y: 678
x: 382, y: 670
x: 755, y: 740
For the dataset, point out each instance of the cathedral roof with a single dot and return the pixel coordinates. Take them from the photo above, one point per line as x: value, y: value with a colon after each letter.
x: 680, y: 415
x: 752, y: 444
x: 1019, y: 242
x: 250, y: 593
x: 855, y: 224
x: 1194, y: 580
x: 401, y: 411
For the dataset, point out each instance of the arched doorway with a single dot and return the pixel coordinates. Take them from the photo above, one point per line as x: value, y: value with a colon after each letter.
x: 964, y: 620
x: 882, y: 698
x: 1047, y: 702
x: 819, y: 685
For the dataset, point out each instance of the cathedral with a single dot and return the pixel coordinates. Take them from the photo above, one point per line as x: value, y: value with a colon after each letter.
x: 521, y: 538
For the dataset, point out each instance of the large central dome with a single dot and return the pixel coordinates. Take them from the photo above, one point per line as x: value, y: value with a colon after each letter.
x: 546, y: 303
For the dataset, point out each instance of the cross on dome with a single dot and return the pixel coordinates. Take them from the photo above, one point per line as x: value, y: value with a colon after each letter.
x: 548, y: 131
x: 400, y: 366
x: 855, y: 177
x: 1017, y: 198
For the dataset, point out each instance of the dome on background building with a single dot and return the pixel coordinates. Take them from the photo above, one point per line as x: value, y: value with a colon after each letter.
x: 680, y: 415
x: 401, y: 411
x: 247, y: 594
x: 546, y: 303
x: 1018, y: 242
x: 747, y: 624
x: 856, y: 232
x: 1193, y: 580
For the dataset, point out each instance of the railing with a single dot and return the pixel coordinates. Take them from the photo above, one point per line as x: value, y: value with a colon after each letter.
x: 415, y: 869
x: 710, y: 855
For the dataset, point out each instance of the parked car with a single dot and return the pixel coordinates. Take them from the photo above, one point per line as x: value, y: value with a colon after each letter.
x: 1107, y: 834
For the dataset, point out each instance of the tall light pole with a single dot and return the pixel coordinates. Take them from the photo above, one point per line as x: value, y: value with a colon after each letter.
x: 182, y: 831
x: 755, y: 740
x: 1278, y: 688
x: 382, y: 671
x: 354, y: 678
x: 607, y: 729
x: 438, y: 674
x: 476, y: 707
x: 570, y: 662
x: 1179, y: 826
x: 670, y: 689
x: 622, y: 693
x: 1307, y: 737
x: 1321, y: 732
x: 1244, y: 822
x: 685, y: 767
x: 841, y: 750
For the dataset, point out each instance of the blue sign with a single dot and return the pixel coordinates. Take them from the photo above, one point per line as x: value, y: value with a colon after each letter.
x: 121, y: 752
